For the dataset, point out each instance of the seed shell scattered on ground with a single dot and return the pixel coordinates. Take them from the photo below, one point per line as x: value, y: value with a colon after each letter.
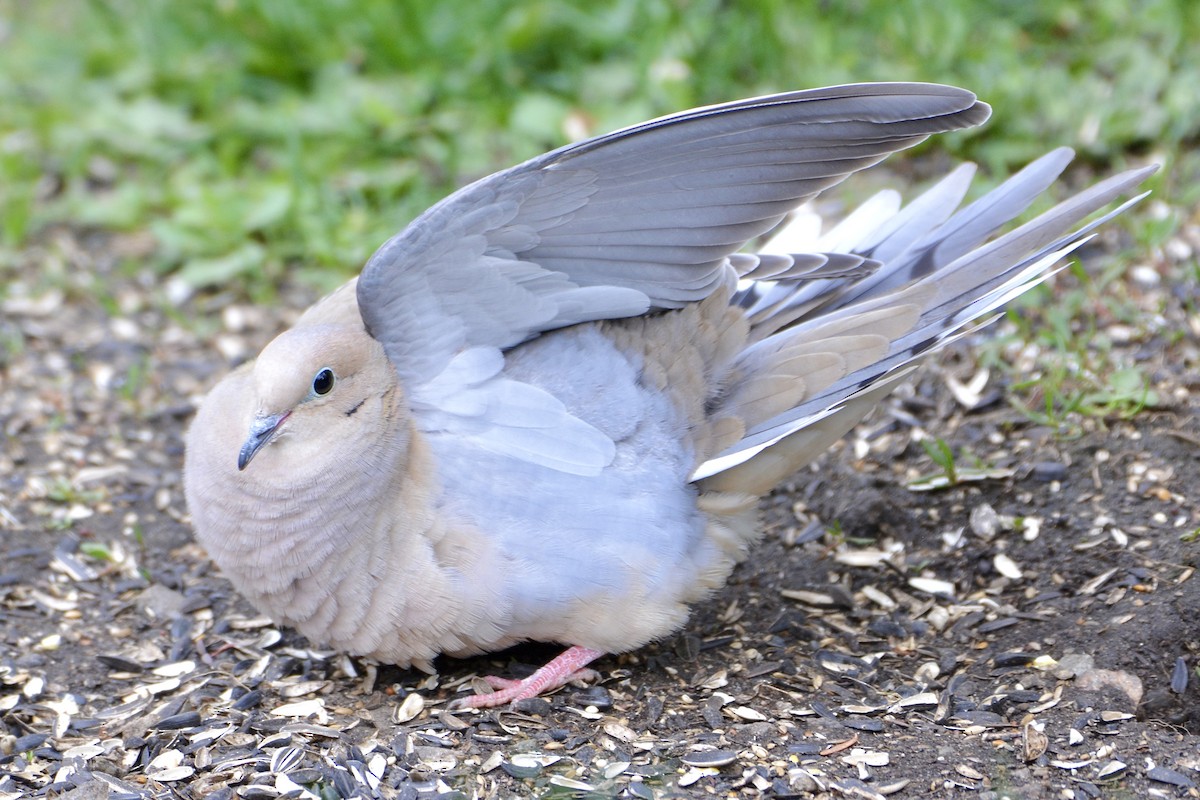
x: 1031, y: 627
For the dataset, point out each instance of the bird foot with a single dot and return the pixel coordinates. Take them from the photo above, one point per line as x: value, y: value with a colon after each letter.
x: 569, y: 666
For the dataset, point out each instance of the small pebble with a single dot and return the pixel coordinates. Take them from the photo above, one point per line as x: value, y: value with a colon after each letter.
x: 534, y: 706
x: 802, y: 782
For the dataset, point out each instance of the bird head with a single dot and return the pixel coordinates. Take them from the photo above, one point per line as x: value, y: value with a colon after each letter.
x: 309, y: 385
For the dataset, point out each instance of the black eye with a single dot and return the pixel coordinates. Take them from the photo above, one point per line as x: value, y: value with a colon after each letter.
x: 323, y: 383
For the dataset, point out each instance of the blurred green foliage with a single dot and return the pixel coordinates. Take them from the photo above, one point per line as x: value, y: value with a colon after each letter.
x: 257, y: 137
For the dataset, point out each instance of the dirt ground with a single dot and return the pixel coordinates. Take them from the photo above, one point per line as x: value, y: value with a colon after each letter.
x: 1034, y: 634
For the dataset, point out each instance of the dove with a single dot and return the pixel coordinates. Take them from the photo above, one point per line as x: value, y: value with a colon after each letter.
x: 546, y: 409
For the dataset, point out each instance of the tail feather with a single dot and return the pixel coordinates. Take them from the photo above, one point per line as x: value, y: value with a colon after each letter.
x: 845, y: 342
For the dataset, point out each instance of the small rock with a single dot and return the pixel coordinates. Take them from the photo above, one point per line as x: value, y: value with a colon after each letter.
x: 1073, y: 665
x: 755, y: 732
x: 985, y: 522
x: 1097, y: 680
x: 159, y: 602
x: 534, y: 706
x: 92, y: 790
x: 802, y: 782
x: 1145, y: 275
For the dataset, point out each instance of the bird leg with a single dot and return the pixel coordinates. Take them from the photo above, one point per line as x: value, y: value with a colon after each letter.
x: 567, y: 667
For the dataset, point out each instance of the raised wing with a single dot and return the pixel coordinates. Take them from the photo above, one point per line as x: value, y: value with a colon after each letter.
x: 640, y: 219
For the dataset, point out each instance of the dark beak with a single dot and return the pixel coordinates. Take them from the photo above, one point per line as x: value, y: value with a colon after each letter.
x: 262, y: 430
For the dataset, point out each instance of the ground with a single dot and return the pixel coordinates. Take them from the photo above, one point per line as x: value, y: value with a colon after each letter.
x: 1030, y: 634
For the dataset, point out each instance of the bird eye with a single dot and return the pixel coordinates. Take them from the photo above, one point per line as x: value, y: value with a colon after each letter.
x: 323, y: 383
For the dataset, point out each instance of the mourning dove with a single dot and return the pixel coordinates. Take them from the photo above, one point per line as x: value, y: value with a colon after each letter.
x: 547, y: 407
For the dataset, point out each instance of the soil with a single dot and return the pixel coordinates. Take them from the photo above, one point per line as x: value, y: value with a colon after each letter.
x: 1033, y: 634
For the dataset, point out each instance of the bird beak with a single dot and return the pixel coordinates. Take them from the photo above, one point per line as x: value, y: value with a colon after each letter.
x: 262, y: 430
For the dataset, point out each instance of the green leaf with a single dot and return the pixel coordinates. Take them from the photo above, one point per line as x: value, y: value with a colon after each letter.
x: 96, y: 550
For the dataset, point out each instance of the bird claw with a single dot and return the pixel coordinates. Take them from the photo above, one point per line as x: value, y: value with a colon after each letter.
x: 508, y: 690
x: 567, y: 667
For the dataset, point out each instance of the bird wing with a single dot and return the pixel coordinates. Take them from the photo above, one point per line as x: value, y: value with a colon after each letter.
x: 641, y: 219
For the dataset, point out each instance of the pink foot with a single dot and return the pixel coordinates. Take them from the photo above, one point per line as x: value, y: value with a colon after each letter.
x: 567, y: 667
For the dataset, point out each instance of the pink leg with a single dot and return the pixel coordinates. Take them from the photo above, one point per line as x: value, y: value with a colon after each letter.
x: 567, y: 667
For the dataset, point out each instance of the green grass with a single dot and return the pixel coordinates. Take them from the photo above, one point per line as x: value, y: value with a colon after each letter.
x: 256, y: 139
x: 1072, y: 369
x: 953, y: 470
x: 259, y: 141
